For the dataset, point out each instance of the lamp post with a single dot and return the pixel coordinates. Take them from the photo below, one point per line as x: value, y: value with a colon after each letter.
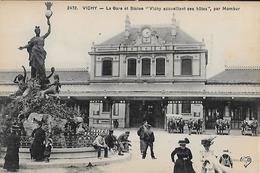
x: 48, y: 12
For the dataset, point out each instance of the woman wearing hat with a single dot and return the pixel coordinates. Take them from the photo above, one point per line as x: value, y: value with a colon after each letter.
x: 183, y: 164
x: 12, y: 153
x: 208, y: 158
x: 38, y: 145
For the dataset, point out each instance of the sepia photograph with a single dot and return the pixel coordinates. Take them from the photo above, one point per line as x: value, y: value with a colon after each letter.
x: 145, y: 87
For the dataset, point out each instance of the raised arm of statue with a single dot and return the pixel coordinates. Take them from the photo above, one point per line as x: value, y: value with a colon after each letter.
x: 23, y: 47
x: 49, y: 29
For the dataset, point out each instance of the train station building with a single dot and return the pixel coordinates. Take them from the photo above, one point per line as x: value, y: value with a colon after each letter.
x: 146, y: 72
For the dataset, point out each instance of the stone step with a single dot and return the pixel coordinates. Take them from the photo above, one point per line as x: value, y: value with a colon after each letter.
x: 61, y: 153
x: 69, y: 163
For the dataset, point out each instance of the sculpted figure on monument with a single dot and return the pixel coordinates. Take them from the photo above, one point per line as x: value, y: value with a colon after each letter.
x: 37, y: 54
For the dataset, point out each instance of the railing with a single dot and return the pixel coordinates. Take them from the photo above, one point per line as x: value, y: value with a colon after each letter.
x: 69, y: 140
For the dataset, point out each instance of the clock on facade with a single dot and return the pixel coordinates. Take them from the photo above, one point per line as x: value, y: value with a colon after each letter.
x: 146, y: 32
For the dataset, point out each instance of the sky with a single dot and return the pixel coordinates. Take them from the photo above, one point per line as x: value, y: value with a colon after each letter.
x: 231, y: 37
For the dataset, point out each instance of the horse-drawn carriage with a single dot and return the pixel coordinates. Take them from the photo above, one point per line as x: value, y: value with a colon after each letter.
x: 249, y: 127
x: 195, y: 125
x: 223, y: 126
x: 175, y: 123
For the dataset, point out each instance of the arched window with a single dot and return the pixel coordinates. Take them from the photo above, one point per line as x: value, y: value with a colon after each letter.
x: 186, y: 66
x: 131, y: 66
x: 146, y: 66
x: 160, y: 66
x: 107, y: 67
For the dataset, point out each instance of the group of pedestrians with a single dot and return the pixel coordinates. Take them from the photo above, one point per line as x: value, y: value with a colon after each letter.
x: 181, y: 156
x: 109, y: 142
x: 183, y: 164
x: 40, y: 150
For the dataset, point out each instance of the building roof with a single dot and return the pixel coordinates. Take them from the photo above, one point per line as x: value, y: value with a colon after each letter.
x: 237, y: 75
x: 66, y: 75
x: 173, y: 91
x: 140, y: 90
x: 164, y: 33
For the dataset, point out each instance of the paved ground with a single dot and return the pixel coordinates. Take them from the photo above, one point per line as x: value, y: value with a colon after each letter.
x: 164, y: 145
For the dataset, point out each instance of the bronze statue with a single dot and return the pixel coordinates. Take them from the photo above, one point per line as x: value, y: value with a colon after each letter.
x: 35, y: 48
x: 20, y: 80
x: 37, y: 54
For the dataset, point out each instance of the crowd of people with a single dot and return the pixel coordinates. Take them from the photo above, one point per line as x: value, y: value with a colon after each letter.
x: 177, y: 125
x: 181, y: 156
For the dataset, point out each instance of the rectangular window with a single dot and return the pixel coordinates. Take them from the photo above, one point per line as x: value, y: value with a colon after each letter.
x: 186, y: 108
x: 96, y: 109
x: 107, y: 68
x: 146, y: 66
x: 131, y: 67
x: 116, y: 109
x: 160, y: 66
x: 186, y: 67
x: 106, y: 106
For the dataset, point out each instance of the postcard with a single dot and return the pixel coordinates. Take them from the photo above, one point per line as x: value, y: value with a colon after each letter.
x: 129, y: 86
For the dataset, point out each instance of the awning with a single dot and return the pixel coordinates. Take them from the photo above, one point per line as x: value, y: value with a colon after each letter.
x: 170, y: 90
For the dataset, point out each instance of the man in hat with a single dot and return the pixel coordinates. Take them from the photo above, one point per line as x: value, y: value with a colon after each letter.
x: 148, y: 141
x: 38, y: 146
x: 12, y: 152
x: 123, y: 141
x: 99, y: 144
x: 140, y: 133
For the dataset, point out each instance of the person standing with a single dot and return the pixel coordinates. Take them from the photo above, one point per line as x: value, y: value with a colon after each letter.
x: 140, y: 133
x: 12, y: 152
x: 148, y: 141
x: 183, y: 164
x: 99, y: 144
x: 38, y: 145
x: 208, y: 158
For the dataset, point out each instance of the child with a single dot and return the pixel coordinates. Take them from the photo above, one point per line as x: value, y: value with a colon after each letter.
x: 47, y: 151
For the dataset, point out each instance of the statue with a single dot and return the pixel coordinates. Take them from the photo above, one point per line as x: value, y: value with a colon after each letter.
x: 35, y: 48
x: 20, y: 80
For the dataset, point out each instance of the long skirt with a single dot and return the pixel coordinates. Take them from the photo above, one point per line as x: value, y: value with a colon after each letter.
x: 183, y: 166
x: 12, y: 160
x: 37, y: 151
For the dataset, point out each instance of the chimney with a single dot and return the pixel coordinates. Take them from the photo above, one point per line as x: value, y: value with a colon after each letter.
x: 127, y: 26
x: 174, y: 26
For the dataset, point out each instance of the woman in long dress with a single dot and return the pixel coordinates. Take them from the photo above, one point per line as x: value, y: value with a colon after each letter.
x: 12, y: 152
x: 38, y: 145
x: 183, y: 164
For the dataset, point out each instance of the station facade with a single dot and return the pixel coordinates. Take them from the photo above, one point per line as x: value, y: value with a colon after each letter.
x: 146, y: 72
